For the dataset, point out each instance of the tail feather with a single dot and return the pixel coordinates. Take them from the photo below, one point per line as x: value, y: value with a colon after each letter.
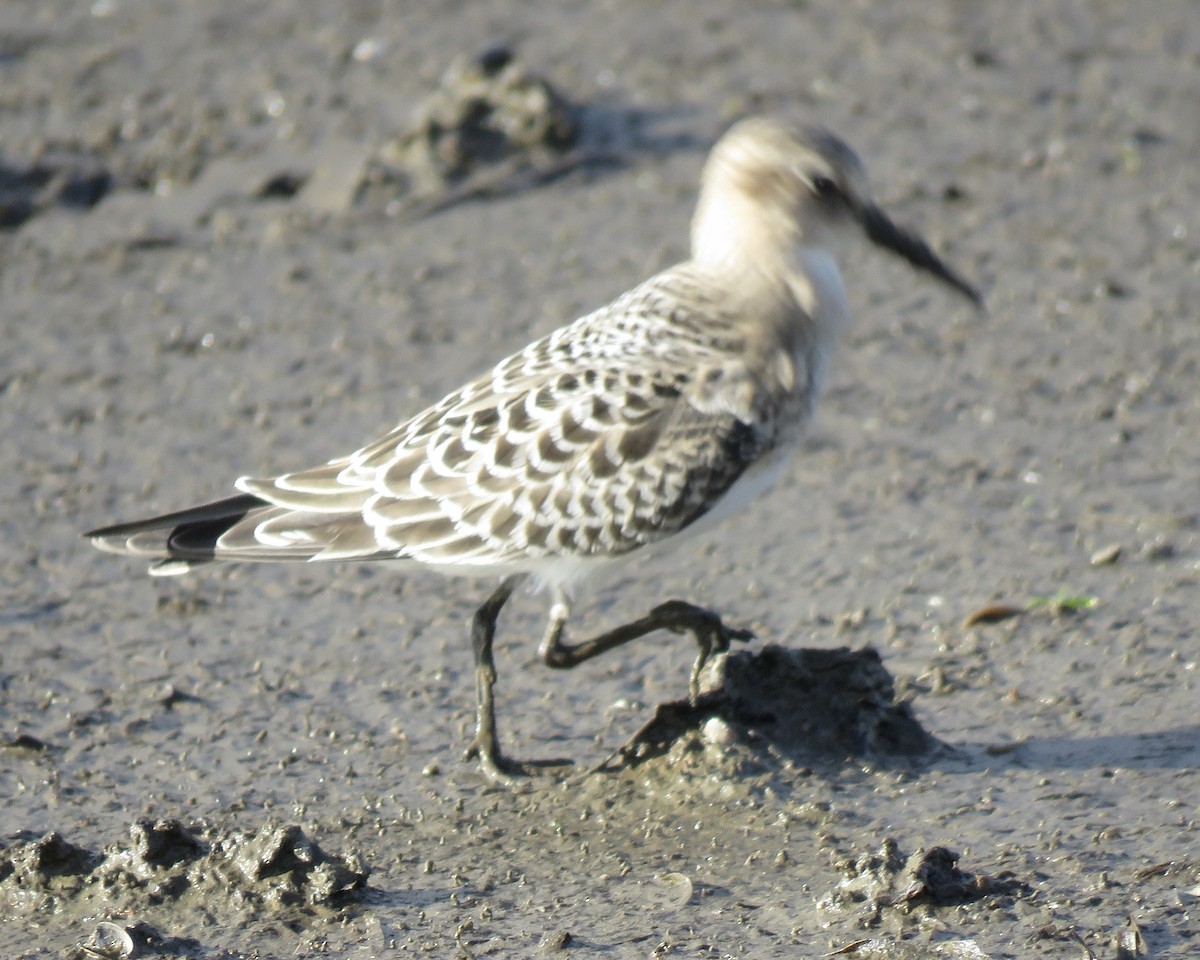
x: 180, y: 540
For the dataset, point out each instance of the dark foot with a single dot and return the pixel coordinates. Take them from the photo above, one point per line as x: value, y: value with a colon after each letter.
x: 503, y: 770
x: 711, y: 633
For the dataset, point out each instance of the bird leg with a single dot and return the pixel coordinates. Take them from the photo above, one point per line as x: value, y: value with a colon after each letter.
x: 486, y: 745
x: 711, y: 633
x: 678, y: 616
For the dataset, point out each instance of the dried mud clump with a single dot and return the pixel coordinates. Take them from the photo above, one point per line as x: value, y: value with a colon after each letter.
x: 839, y: 702
x: 165, y: 864
x: 290, y: 867
x: 162, y: 843
x: 50, y: 865
x: 886, y: 889
x: 489, y: 112
x: 492, y: 127
x: 808, y: 706
x: 886, y: 878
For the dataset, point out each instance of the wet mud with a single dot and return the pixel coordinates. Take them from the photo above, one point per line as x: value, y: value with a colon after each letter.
x: 243, y: 239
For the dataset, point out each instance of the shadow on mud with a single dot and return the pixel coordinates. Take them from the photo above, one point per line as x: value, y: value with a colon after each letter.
x: 1171, y: 749
x: 63, y: 178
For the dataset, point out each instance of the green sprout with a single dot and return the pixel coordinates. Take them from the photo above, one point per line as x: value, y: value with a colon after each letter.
x: 1063, y: 602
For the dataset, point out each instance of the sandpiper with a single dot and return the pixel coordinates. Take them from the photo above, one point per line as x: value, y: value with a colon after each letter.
x: 652, y: 417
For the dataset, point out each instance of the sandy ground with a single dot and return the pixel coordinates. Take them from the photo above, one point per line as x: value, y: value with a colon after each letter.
x: 188, y: 293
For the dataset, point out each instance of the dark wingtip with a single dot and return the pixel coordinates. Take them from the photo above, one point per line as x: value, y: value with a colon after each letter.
x: 185, y: 534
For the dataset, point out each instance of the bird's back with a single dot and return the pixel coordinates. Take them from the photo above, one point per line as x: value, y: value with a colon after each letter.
x: 612, y: 433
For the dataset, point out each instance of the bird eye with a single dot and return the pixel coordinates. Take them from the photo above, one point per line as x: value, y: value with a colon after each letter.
x: 824, y: 187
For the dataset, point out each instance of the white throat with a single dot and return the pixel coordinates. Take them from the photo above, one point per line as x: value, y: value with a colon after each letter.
x: 817, y: 286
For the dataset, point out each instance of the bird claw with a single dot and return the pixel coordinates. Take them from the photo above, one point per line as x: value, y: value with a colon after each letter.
x: 505, y: 771
x: 719, y: 640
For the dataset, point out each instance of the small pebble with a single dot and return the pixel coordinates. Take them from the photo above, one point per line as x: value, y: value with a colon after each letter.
x: 717, y: 732
x: 1106, y: 556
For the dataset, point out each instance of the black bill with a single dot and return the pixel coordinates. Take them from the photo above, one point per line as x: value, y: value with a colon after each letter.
x: 883, y: 232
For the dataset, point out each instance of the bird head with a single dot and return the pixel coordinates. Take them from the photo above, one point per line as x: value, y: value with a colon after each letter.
x: 769, y: 182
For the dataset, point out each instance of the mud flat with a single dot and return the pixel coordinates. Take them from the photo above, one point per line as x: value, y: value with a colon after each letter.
x: 237, y: 239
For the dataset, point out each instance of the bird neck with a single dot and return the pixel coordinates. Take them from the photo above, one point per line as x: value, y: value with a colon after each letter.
x: 734, y: 232
x: 761, y: 251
